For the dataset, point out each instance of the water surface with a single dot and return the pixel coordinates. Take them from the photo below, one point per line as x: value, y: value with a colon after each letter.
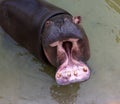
x: 24, y: 80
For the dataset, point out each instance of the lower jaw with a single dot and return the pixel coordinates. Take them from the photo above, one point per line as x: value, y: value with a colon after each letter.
x: 63, y: 77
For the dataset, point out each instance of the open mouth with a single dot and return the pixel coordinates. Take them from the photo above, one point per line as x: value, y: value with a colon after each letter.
x: 71, y: 70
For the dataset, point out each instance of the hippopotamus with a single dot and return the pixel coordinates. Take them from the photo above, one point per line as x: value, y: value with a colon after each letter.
x: 51, y: 34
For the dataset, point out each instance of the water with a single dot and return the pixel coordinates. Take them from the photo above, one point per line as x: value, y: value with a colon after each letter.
x: 24, y: 80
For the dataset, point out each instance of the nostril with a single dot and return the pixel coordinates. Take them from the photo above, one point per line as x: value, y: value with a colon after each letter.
x: 85, y: 69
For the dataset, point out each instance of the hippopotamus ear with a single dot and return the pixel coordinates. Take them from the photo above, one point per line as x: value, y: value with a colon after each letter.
x: 76, y: 19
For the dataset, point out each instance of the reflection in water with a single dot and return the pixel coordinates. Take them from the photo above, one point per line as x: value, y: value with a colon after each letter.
x: 115, y: 4
x: 62, y: 94
x: 118, y: 38
x: 65, y: 94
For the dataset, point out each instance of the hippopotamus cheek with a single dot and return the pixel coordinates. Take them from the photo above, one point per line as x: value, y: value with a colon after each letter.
x: 50, y: 53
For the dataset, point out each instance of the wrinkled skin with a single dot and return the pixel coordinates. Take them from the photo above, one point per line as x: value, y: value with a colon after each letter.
x: 66, y: 47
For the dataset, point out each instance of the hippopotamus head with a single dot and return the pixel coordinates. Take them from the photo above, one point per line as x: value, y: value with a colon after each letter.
x: 66, y: 47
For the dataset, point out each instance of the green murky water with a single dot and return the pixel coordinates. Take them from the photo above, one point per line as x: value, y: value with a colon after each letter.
x: 24, y: 80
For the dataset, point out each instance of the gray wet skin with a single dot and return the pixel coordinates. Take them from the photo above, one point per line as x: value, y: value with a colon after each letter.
x: 66, y: 47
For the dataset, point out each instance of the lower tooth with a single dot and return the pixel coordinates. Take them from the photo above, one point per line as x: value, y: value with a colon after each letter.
x: 75, y: 73
x: 68, y: 74
x: 84, y: 69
